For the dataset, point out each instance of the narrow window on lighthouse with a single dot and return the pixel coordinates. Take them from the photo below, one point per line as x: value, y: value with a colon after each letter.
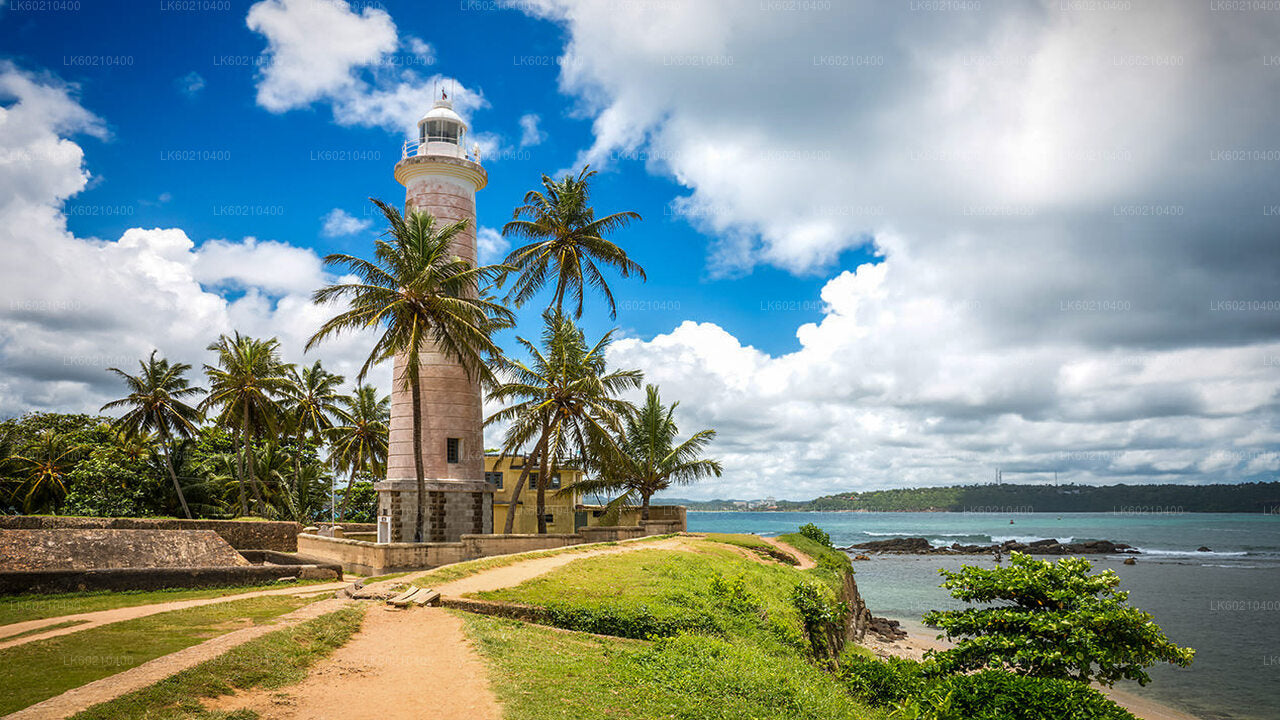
x: 451, y: 450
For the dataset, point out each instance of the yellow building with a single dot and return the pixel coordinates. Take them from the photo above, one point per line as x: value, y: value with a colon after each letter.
x: 565, y: 511
x: 561, y: 508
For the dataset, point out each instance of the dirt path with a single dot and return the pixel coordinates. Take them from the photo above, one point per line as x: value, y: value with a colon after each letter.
x: 109, y: 688
x: 105, y: 617
x: 806, y: 562
x: 403, y: 664
x: 503, y: 577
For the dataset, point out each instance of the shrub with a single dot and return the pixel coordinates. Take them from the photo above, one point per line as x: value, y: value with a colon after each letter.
x: 734, y: 595
x: 916, y: 690
x: 816, y: 534
x: 1053, y: 620
x: 823, y: 616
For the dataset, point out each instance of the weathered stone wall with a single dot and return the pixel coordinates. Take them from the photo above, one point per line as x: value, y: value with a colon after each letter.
x: 454, y: 509
x: 239, y: 534
x: 60, y: 581
x: 367, y: 558
x: 94, y: 549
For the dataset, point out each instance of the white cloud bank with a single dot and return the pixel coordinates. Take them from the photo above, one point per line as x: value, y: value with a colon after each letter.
x: 1078, y: 271
x: 70, y: 306
x: 339, y: 223
x: 326, y: 52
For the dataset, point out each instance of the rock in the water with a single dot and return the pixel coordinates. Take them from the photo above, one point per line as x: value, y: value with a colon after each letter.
x: 1202, y: 548
x: 861, y: 557
x: 1130, y: 561
x: 888, y: 629
x: 1048, y: 546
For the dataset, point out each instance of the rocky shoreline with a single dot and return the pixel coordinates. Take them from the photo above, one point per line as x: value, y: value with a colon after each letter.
x: 1048, y: 546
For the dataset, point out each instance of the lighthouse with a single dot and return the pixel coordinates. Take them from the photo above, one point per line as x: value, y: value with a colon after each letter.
x: 440, y: 177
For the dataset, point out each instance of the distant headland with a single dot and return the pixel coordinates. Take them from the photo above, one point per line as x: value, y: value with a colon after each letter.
x: 1010, y: 498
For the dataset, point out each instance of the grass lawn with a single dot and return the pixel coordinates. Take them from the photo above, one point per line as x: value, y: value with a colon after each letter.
x: 541, y: 673
x: 20, y: 608
x: 754, y: 544
x: 274, y: 660
x: 43, y: 668
x: 661, y: 592
x: 457, y: 571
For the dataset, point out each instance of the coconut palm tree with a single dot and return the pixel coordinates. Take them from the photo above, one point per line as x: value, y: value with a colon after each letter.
x: 44, y: 465
x: 421, y: 295
x: 565, y: 403
x: 651, y: 461
x: 313, y: 405
x: 358, y: 447
x: 247, y: 388
x: 157, y: 402
x: 567, y: 239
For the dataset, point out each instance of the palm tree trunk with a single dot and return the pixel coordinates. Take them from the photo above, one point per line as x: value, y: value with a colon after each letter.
x: 524, y: 476
x: 248, y: 465
x: 420, y: 473
x: 168, y: 461
x: 644, y: 508
x: 543, y: 481
x: 244, y: 505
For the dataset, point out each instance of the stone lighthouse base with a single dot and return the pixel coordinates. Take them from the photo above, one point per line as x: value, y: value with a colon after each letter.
x: 454, y: 508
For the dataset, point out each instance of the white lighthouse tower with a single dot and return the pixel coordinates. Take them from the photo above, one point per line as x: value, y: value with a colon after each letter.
x: 440, y: 177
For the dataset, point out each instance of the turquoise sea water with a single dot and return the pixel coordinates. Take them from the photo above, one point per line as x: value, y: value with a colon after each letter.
x: 1224, y: 603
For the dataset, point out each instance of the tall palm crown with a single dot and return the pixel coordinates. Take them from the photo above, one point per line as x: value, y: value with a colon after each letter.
x: 45, y: 461
x: 651, y: 460
x: 567, y: 240
x: 564, y: 402
x: 247, y: 387
x: 419, y: 293
x: 157, y: 402
x: 359, y: 445
x: 314, y: 401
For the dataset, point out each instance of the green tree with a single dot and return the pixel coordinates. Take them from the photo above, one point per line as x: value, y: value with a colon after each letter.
x: 651, y: 460
x: 1050, y: 620
x: 567, y: 239
x: 157, y: 402
x: 358, y: 447
x: 247, y: 387
x: 313, y: 405
x: 565, y: 403
x: 421, y: 295
x: 44, y: 466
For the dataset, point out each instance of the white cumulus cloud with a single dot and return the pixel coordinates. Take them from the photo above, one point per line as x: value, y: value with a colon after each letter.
x: 339, y: 222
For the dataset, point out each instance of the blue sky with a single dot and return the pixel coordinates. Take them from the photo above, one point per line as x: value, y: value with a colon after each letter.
x: 887, y: 245
x: 213, y: 153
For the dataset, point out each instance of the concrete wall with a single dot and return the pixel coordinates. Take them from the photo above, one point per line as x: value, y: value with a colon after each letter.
x: 368, y: 558
x: 239, y: 534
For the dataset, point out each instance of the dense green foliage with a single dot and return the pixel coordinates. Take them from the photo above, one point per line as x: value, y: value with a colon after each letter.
x: 1050, y: 620
x: 1135, y: 499
x: 816, y: 534
x: 276, y: 659
x: 918, y: 690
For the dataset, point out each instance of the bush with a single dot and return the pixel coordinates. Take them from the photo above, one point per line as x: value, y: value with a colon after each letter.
x: 917, y: 690
x: 1050, y: 620
x: 823, y: 616
x: 816, y: 534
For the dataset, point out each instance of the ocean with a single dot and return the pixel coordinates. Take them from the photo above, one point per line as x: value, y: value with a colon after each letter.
x: 1224, y: 603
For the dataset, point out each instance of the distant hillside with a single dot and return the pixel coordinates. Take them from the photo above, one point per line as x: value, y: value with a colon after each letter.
x: 1136, y: 499
x: 1249, y: 497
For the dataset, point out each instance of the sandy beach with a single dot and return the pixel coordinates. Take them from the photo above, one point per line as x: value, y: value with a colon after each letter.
x: 920, y: 640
